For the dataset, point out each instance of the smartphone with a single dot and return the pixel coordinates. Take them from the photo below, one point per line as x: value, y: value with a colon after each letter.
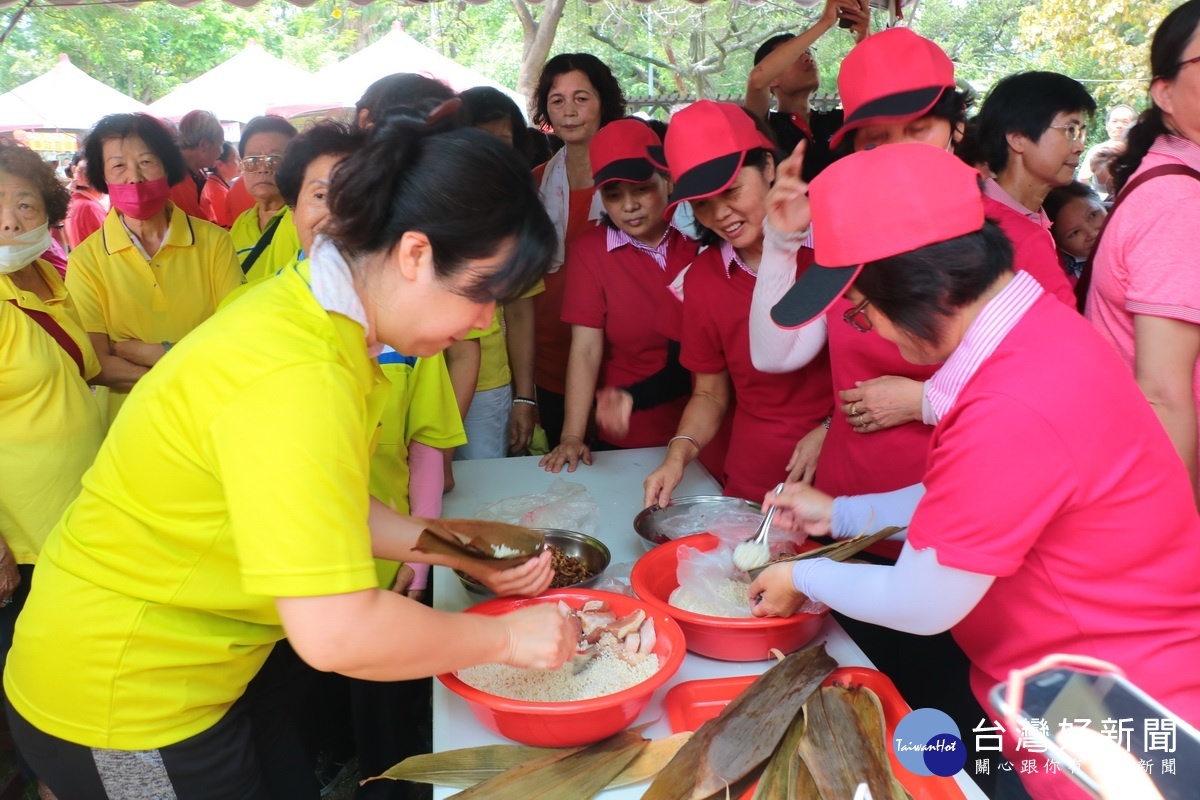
x: 1139, y: 723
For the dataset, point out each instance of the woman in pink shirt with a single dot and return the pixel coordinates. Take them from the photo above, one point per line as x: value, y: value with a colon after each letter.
x: 1144, y: 295
x: 1043, y: 469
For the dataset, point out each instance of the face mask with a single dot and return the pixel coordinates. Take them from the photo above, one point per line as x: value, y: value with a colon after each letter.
x: 24, y: 249
x: 139, y: 200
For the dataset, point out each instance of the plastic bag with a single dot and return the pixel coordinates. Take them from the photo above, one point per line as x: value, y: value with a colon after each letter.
x: 707, y: 584
x: 565, y: 505
x: 733, y: 527
x: 616, y: 579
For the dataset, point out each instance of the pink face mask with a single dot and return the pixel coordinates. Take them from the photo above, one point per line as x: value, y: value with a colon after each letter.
x: 140, y: 200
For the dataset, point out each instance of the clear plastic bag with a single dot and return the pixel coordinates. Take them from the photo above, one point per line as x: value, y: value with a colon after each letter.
x: 616, y: 579
x: 565, y: 505
x: 707, y: 583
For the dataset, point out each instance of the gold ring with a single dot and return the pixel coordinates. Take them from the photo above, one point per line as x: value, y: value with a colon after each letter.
x: 854, y: 409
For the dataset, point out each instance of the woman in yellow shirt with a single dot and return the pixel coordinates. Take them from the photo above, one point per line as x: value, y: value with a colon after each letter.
x: 229, y: 507
x: 52, y: 424
x: 152, y: 273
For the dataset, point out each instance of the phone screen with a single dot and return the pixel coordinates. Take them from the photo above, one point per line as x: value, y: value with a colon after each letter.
x: 1168, y: 748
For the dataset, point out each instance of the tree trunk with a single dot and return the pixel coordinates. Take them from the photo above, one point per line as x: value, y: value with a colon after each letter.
x: 539, y: 38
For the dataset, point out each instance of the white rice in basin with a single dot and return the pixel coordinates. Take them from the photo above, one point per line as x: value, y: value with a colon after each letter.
x: 730, y: 599
x: 607, y: 674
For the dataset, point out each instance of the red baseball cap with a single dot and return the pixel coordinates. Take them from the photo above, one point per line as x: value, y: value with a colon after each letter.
x: 619, y: 152
x: 873, y: 205
x: 706, y: 145
x: 892, y: 76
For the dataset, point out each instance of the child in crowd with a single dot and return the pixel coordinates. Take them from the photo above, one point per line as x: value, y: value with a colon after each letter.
x: 1076, y: 215
x: 617, y: 277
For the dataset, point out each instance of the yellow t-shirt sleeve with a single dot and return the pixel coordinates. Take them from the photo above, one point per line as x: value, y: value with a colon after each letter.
x: 85, y: 291
x: 433, y: 418
x: 302, y: 532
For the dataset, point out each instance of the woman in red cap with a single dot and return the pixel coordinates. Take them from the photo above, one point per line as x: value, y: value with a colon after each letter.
x: 1018, y: 542
x: 896, y: 87
x: 617, y: 278
x: 724, y: 165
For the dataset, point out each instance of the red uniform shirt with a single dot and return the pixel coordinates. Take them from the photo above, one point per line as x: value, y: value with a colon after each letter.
x: 186, y: 195
x: 620, y: 291
x: 773, y: 410
x: 551, y: 334
x: 213, y: 200
x: 238, y: 201
x: 865, y: 463
x: 85, y: 216
x: 1033, y: 249
x: 1055, y: 476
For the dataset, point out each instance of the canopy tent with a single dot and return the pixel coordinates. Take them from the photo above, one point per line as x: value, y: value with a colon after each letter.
x: 340, y: 85
x: 236, y: 90
x: 65, y: 98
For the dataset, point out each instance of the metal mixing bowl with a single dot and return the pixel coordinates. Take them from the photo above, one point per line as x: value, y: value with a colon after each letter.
x: 588, y: 549
x: 653, y: 524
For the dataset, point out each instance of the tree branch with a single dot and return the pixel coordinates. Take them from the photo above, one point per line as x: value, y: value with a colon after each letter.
x: 595, y: 33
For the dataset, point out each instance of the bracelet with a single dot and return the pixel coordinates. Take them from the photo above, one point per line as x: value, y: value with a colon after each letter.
x: 166, y: 346
x: 826, y: 422
x: 525, y: 401
x: 689, y: 438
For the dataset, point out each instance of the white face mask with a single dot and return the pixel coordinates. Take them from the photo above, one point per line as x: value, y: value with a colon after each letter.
x: 25, y: 248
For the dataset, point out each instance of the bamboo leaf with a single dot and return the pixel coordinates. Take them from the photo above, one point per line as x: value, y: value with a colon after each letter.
x: 578, y: 776
x: 468, y: 766
x: 476, y: 540
x: 654, y: 756
x: 728, y: 748
x: 843, y: 744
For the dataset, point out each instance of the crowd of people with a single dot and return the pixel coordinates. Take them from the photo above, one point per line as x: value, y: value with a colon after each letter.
x: 229, y: 408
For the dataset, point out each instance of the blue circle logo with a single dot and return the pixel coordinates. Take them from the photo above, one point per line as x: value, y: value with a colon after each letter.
x: 927, y: 742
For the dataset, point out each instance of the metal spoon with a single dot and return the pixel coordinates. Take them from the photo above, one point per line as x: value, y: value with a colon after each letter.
x: 582, y: 659
x: 756, y: 552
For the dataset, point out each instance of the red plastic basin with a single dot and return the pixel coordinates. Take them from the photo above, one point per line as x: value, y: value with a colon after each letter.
x: 724, y: 638
x: 578, y: 722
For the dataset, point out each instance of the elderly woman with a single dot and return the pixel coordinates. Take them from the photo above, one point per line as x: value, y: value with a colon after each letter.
x: 200, y: 140
x: 154, y: 273
x: 219, y: 518
x: 1140, y: 300
x: 52, y: 425
x: 264, y: 235
x: 1019, y: 541
x: 576, y: 95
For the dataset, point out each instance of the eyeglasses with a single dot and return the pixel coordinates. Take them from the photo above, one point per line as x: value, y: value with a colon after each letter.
x: 857, y: 318
x: 1073, y: 131
x: 261, y: 163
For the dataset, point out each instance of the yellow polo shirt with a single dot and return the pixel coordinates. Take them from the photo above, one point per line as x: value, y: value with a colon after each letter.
x: 52, y: 425
x: 494, y: 370
x: 239, y: 475
x: 121, y: 295
x: 283, y: 249
x: 421, y: 408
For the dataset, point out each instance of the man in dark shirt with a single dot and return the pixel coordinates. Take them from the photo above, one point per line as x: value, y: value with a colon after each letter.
x: 784, y: 66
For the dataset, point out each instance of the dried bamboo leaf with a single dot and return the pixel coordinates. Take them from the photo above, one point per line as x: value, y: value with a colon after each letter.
x: 729, y: 747
x: 476, y: 540
x: 843, y: 745
x: 775, y: 783
x: 578, y: 776
x: 838, y: 551
x: 654, y: 756
x: 468, y: 766
x: 870, y: 711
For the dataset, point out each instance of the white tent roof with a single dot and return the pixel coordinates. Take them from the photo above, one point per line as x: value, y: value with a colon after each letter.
x: 340, y: 85
x: 236, y: 90
x: 65, y: 98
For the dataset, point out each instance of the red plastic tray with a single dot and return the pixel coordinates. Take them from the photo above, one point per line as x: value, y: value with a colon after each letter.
x: 692, y: 703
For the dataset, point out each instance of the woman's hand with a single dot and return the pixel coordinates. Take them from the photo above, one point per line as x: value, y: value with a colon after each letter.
x: 539, y: 637
x: 529, y: 579
x: 803, y: 463
x: 882, y: 403
x: 660, y: 483
x: 570, y: 451
x: 772, y: 594
x: 859, y: 14
x: 144, y: 354
x: 10, y: 578
x: 614, y: 407
x: 801, y: 508
x: 787, y: 202
x: 520, y: 427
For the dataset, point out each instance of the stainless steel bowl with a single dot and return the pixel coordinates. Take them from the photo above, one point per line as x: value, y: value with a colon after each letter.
x: 654, y: 526
x: 587, y: 549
